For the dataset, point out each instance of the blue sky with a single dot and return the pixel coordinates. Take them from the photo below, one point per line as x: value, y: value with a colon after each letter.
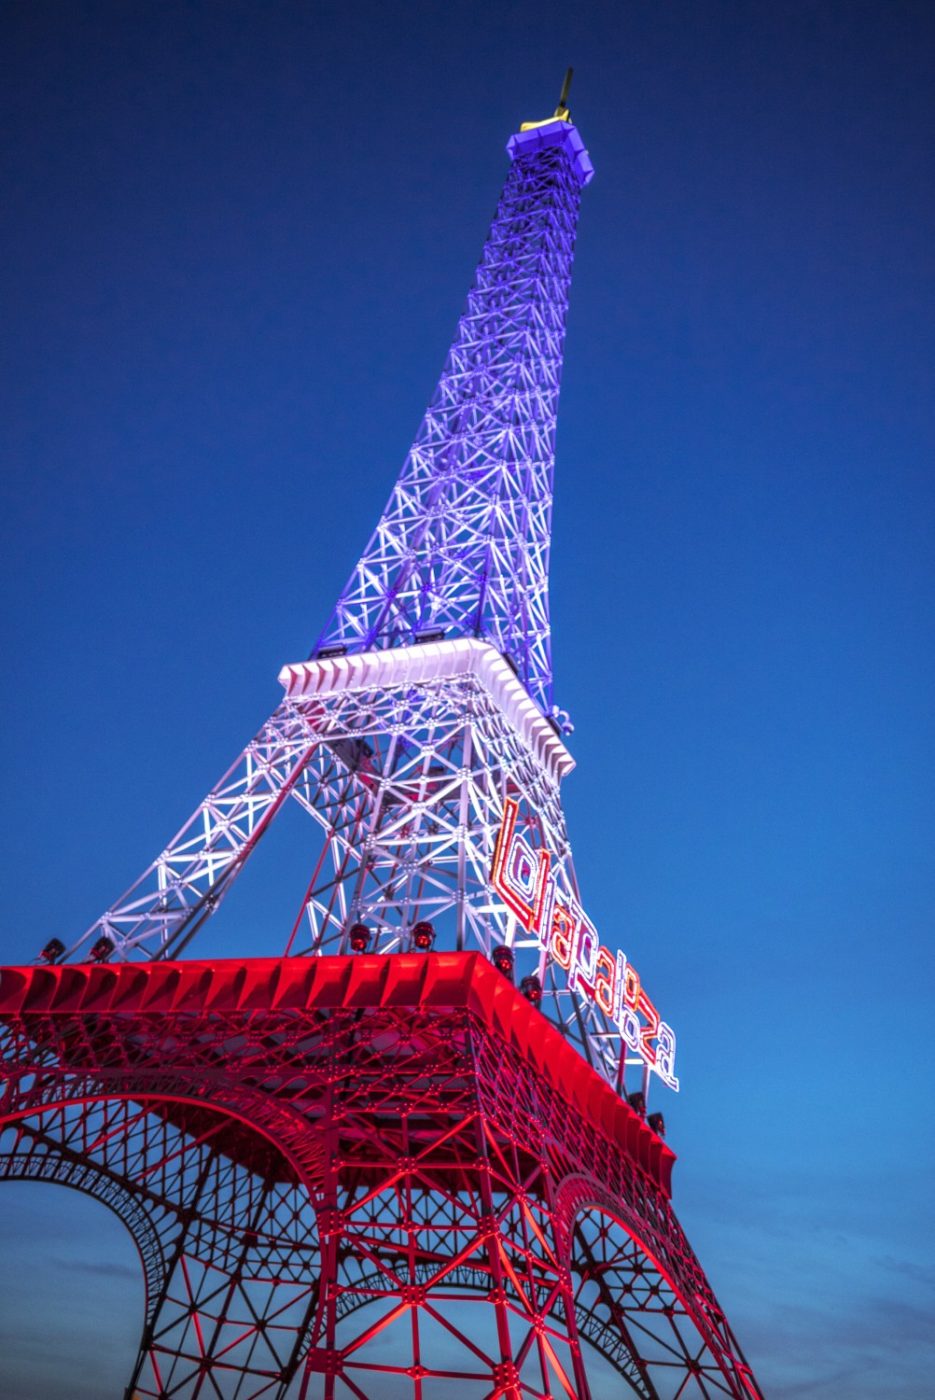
x: 235, y: 242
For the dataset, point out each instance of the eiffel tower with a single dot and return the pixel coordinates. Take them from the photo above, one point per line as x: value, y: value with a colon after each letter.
x: 412, y: 1156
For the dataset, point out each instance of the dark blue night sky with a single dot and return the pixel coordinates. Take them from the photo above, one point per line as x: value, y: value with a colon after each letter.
x: 235, y: 242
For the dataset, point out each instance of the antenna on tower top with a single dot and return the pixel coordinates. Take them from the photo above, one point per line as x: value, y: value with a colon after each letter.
x: 561, y: 110
x: 561, y: 113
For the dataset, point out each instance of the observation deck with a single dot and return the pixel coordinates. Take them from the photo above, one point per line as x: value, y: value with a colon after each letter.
x: 270, y: 1042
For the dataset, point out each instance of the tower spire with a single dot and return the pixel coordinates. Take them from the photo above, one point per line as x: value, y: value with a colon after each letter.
x: 561, y: 111
x: 462, y: 548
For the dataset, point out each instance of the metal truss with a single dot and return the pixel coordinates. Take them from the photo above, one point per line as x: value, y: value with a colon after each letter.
x: 228, y: 1247
x: 404, y: 759
x: 29, y: 1152
x: 401, y: 745
x: 385, y: 1175
x: 32, y: 1151
x: 356, y: 1173
x: 462, y: 547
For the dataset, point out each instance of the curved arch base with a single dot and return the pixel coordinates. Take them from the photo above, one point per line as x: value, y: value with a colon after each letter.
x: 229, y: 1255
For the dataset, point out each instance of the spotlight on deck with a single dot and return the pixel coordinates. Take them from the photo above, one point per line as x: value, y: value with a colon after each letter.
x: 423, y: 936
x: 502, y: 958
x: 637, y: 1102
x: 52, y: 951
x: 359, y: 938
x: 102, y: 949
x: 657, y: 1123
x: 531, y: 989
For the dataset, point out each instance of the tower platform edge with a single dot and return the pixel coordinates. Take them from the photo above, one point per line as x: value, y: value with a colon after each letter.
x: 105, y: 999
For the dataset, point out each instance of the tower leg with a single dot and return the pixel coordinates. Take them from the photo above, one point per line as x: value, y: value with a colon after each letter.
x: 442, y: 1273
x: 229, y: 1253
x: 238, y: 1296
x: 624, y: 1299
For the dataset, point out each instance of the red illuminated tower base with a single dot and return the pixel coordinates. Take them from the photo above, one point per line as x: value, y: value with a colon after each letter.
x: 360, y: 1176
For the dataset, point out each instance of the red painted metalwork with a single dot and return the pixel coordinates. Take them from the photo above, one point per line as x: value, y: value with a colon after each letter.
x: 352, y: 1173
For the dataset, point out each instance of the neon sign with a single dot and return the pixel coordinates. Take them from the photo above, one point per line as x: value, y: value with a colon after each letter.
x: 524, y: 881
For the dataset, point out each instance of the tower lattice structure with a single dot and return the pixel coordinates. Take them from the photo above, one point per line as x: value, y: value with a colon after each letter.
x: 411, y: 1156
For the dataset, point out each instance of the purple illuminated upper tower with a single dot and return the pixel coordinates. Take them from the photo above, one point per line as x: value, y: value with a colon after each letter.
x: 462, y: 548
